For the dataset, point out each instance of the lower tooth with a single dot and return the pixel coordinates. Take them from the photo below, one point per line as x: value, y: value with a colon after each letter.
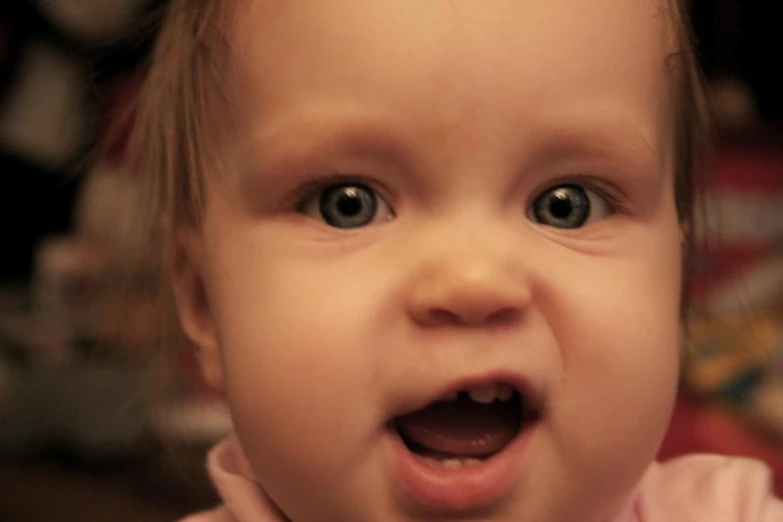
x: 459, y: 463
x: 451, y: 463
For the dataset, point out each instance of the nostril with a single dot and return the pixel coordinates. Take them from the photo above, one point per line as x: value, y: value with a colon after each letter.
x: 503, y: 316
x: 442, y: 316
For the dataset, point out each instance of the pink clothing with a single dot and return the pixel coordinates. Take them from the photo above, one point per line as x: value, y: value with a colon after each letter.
x: 698, y: 488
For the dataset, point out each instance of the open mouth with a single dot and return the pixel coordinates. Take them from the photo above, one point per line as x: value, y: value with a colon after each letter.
x: 467, y: 426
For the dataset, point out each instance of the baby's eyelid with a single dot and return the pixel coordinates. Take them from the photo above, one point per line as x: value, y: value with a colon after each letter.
x: 612, y: 196
x: 314, y: 187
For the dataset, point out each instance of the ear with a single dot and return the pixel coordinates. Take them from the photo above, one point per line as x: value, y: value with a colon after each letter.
x: 191, y: 298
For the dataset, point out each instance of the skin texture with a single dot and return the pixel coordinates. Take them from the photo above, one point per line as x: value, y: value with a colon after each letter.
x: 458, y: 114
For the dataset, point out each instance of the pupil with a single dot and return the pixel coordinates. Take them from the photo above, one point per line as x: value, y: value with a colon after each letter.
x: 349, y: 204
x: 560, y: 206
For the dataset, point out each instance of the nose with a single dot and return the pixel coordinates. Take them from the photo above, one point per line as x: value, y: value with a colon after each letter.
x: 473, y: 286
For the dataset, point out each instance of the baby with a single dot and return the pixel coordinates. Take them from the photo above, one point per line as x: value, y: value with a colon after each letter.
x: 432, y: 252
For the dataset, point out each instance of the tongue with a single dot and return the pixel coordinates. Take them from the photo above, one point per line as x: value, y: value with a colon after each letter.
x: 461, y: 429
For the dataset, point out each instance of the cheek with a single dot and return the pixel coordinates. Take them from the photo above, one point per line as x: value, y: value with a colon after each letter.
x: 299, y: 359
x: 618, y: 329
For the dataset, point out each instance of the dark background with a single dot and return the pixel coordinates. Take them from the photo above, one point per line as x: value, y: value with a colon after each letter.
x: 37, y: 200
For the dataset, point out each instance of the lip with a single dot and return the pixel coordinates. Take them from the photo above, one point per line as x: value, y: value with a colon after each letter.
x: 480, y: 485
x: 441, y: 489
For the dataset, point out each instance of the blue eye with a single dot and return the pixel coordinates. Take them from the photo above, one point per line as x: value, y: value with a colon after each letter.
x: 347, y: 205
x: 568, y: 206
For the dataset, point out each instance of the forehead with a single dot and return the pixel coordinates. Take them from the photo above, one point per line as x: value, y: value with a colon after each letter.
x: 312, y: 32
x: 526, y: 19
x: 569, y: 56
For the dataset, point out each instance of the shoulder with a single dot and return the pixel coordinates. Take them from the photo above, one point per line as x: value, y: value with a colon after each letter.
x: 710, y: 487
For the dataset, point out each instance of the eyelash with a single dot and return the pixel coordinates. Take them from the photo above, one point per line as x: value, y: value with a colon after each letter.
x: 317, y: 182
x: 615, y: 198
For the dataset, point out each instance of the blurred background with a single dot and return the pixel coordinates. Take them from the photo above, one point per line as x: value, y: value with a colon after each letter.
x: 93, y: 427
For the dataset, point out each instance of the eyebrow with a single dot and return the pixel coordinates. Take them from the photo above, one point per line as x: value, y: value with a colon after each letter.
x: 318, y: 135
x: 602, y: 142
x: 293, y: 142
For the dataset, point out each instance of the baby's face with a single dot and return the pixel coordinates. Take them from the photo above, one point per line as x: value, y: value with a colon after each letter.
x: 431, y: 197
